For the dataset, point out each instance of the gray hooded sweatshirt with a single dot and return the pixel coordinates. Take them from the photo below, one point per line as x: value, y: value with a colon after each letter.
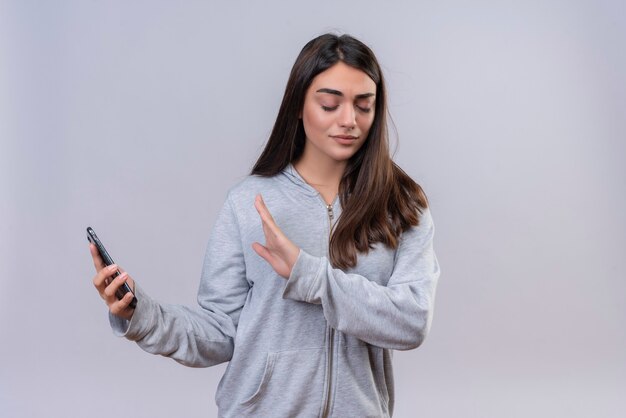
x: 318, y: 344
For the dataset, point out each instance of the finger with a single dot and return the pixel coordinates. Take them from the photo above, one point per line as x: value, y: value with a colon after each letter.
x: 270, y: 228
x: 101, y: 278
x: 264, y: 212
x: 112, y: 288
x: 263, y: 252
x: 122, y: 306
x: 95, y: 255
x: 269, y: 233
x: 129, y: 280
x: 276, y: 263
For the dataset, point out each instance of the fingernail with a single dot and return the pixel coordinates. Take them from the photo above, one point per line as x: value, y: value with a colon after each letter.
x: 112, y: 267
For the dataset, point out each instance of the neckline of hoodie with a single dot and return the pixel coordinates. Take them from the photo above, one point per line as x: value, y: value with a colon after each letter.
x: 291, y: 175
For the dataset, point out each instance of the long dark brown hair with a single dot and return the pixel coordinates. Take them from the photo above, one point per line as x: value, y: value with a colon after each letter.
x: 394, y: 200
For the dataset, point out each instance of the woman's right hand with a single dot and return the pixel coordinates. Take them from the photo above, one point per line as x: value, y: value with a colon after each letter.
x: 107, y: 286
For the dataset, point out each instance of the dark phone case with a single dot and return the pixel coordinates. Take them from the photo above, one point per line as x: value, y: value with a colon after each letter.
x: 125, y: 288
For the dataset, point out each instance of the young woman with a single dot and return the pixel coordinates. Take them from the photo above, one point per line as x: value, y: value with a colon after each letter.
x: 347, y: 273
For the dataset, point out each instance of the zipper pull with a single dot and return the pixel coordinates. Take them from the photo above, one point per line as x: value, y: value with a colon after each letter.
x: 330, y: 211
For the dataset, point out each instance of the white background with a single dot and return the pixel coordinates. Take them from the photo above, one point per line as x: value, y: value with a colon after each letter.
x: 135, y: 117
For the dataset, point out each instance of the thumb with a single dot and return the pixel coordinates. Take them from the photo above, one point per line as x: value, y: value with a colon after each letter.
x: 262, y: 251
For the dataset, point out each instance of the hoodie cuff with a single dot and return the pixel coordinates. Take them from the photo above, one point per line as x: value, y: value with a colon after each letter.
x: 304, y: 283
x: 140, y: 323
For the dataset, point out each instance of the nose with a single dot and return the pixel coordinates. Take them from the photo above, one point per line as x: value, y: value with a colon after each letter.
x: 347, y: 117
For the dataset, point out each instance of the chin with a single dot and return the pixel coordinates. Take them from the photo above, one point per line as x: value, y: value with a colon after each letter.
x: 342, y: 156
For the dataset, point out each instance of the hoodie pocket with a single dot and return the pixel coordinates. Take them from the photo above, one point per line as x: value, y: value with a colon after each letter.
x: 267, y: 374
x: 292, y: 385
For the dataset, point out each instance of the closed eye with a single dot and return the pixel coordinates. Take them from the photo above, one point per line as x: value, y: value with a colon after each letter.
x: 329, y: 108
x: 364, y: 109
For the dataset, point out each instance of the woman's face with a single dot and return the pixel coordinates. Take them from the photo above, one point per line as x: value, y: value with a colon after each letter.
x: 338, y: 112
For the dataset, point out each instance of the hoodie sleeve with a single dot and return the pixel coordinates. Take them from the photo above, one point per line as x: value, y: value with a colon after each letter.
x: 201, y: 336
x: 395, y: 316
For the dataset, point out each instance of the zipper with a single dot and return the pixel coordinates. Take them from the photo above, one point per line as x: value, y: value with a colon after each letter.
x: 331, y: 335
x: 331, y: 215
x: 329, y: 372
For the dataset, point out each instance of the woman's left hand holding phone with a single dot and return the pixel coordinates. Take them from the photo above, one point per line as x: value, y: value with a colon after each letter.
x: 107, y: 286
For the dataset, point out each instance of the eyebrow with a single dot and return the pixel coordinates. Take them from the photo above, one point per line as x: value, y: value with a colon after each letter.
x: 338, y: 93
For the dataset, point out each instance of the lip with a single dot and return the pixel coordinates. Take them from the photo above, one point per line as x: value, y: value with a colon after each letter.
x: 345, y: 139
x: 345, y: 136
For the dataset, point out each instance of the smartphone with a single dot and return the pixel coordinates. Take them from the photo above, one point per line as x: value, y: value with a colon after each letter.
x: 123, y: 289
